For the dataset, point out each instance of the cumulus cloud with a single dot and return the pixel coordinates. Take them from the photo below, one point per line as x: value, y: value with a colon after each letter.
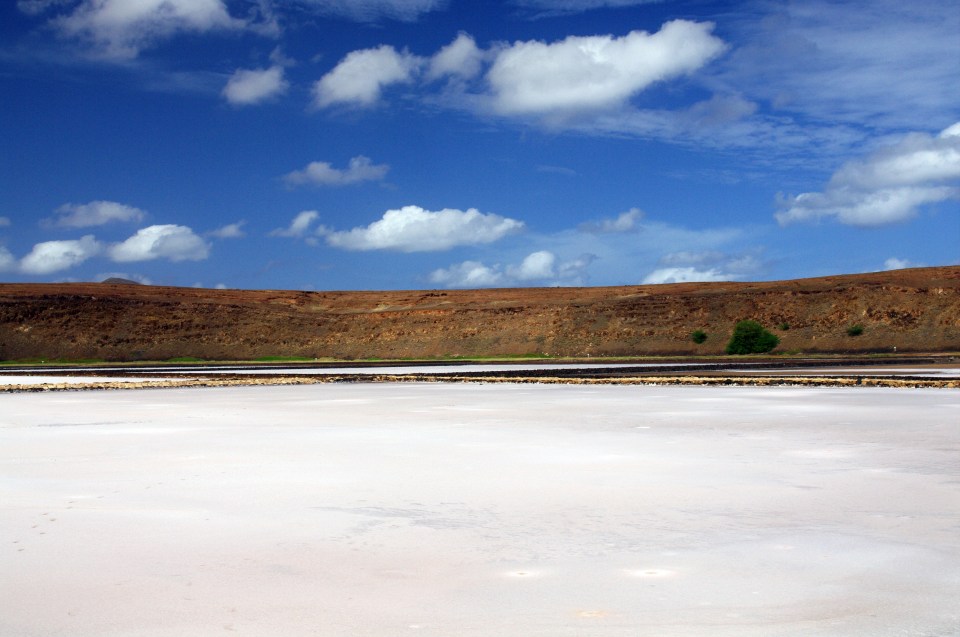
x: 53, y: 256
x: 889, y: 186
x: 230, y: 231
x: 625, y: 222
x: 461, y: 58
x: 362, y: 75
x: 537, y: 268
x: 537, y: 265
x: 120, y: 29
x: 597, y: 72
x: 95, y: 213
x: 253, y: 86
x: 173, y: 242
x: 413, y: 229
x: 299, y: 226
x: 375, y: 10
x: 321, y: 173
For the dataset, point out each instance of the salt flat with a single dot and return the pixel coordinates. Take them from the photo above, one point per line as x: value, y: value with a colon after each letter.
x: 457, y: 509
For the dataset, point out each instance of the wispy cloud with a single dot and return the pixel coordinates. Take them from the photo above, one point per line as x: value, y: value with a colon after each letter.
x: 894, y: 263
x: 548, y: 8
x: 95, y: 213
x: 889, y: 186
x: 711, y: 265
x: 120, y: 29
x: 229, y: 231
x: 254, y: 86
x: 881, y: 64
x: 299, y: 226
x: 321, y: 173
x: 624, y: 222
x: 374, y: 10
x: 540, y: 268
x: 8, y: 262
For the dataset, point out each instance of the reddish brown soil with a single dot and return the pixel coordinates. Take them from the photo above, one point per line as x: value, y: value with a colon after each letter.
x: 916, y: 310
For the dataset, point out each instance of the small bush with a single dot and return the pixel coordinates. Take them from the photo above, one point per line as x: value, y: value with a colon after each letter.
x: 855, y: 330
x: 783, y: 327
x: 698, y: 336
x: 749, y: 337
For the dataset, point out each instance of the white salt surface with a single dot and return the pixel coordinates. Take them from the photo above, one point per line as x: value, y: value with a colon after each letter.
x: 481, y: 510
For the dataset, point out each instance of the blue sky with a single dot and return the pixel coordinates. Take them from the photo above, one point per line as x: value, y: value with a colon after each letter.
x: 406, y: 144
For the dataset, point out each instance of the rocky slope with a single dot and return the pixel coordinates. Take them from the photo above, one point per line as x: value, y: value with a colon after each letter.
x: 916, y: 310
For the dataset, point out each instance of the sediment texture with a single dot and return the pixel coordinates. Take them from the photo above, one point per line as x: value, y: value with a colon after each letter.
x: 915, y: 310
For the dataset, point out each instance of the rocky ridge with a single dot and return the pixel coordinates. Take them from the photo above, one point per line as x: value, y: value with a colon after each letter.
x: 914, y: 310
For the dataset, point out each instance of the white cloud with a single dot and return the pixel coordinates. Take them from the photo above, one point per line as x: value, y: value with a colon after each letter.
x: 888, y: 186
x: 709, y: 265
x: 596, y: 72
x: 684, y: 275
x: 893, y: 263
x: 4, y: 222
x: 321, y: 173
x: 537, y: 268
x: 562, y: 7
x: 176, y: 243
x: 299, y: 226
x: 95, y: 213
x: 120, y: 29
x: 537, y: 265
x: 7, y: 260
x: 878, y: 64
x: 375, y: 10
x: 625, y: 222
x: 362, y: 75
x: 252, y: 86
x: 230, y: 231
x: 53, y: 256
x: 460, y: 58
x: 413, y: 229
x: 469, y: 274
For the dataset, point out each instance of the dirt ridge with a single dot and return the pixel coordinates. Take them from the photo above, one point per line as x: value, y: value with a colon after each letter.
x: 913, y: 310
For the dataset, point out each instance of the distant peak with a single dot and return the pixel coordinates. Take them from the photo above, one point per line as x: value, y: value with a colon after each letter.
x: 115, y: 280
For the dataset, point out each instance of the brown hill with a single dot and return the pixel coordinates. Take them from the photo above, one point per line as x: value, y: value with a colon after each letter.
x: 916, y: 310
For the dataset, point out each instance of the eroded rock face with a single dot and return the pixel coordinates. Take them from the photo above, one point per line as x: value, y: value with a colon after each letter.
x: 915, y: 310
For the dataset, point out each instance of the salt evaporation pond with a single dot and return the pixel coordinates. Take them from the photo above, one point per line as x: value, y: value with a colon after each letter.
x: 481, y: 510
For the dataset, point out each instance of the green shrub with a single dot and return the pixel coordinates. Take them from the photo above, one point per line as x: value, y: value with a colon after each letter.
x: 783, y: 327
x: 698, y: 336
x: 749, y: 337
x: 855, y: 330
